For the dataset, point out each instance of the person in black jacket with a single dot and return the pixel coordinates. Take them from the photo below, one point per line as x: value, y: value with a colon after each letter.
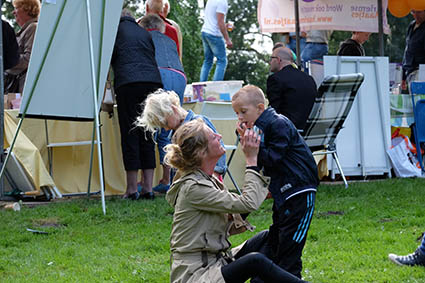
x: 136, y: 75
x: 354, y: 46
x: 286, y: 158
x: 414, y: 53
x: 290, y: 91
x: 10, y: 46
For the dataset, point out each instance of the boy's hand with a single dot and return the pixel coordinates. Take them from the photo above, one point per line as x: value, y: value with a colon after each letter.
x: 241, y: 127
x: 250, y: 142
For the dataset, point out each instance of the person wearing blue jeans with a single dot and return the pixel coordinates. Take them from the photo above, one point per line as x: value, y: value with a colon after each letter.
x: 416, y: 258
x: 316, y: 46
x: 215, y: 39
x: 214, y: 46
x: 292, y: 42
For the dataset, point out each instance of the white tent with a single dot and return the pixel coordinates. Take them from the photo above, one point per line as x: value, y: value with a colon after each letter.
x: 69, y: 64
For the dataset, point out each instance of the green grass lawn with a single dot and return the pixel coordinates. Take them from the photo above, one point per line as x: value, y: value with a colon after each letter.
x: 351, y: 234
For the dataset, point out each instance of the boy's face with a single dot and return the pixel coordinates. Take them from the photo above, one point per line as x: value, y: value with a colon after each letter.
x: 246, y: 111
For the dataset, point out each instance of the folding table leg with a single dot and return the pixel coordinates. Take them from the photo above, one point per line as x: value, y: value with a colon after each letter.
x: 233, y: 181
x: 335, y: 157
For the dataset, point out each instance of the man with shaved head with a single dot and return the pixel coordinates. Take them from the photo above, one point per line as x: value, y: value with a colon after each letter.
x: 156, y: 7
x: 290, y: 91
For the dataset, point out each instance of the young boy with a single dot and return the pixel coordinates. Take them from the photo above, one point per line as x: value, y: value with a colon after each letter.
x: 286, y: 158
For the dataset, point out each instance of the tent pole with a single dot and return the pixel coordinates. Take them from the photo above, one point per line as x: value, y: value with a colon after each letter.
x: 297, y: 31
x: 91, y: 158
x: 1, y: 106
x: 95, y: 110
x: 380, y: 29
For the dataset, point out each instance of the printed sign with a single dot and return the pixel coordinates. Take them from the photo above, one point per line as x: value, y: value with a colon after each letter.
x: 348, y: 15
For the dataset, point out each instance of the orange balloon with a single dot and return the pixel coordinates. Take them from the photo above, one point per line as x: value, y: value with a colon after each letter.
x: 399, y: 8
x: 416, y: 4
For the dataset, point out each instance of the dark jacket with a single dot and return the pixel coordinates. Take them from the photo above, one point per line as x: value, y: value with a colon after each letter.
x: 285, y: 157
x: 350, y: 47
x: 414, y: 54
x: 291, y: 93
x: 10, y: 46
x: 133, y: 59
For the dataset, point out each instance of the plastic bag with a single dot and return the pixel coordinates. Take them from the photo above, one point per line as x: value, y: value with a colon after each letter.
x: 402, y: 155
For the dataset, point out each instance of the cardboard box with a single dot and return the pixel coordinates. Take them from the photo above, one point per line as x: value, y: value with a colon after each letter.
x: 12, y: 101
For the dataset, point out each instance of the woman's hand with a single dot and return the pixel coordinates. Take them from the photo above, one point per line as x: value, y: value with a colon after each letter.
x: 250, y: 142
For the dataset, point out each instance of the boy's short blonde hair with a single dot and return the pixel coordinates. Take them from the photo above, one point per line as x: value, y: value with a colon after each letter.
x: 156, y: 108
x: 252, y: 93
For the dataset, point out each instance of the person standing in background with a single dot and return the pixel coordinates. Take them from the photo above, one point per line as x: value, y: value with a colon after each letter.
x: 354, y: 46
x: 316, y: 45
x: 10, y: 46
x: 165, y: 12
x: 156, y: 7
x: 414, y: 53
x: 26, y: 14
x: 290, y: 91
x: 136, y: 75
x: 173, y: 78
x: 215, y: 39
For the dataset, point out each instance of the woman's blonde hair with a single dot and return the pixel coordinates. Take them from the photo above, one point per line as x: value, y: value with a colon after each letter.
x: 156, y: 108
x: 190, y: 143
x: 31, y: 7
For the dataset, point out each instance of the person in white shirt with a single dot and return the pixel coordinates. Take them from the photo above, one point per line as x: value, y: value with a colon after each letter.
x: 215, y: 38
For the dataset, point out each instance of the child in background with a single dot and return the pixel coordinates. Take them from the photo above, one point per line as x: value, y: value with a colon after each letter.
x: 162, y: 110
x: 286, y: 158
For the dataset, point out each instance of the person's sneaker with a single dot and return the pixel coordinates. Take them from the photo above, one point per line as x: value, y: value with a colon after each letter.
x: 161, y: 188
x: 416, y: 258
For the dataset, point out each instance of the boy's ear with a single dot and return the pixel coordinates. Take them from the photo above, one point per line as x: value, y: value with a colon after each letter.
x: 260, y: 107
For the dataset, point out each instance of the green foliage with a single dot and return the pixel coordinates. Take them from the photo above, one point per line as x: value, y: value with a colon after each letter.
x: 7, y: 12
x: 136, y: 6
x: 186, y: 14
x: 244, y: 61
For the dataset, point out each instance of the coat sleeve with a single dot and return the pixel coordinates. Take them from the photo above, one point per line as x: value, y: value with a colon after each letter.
x: 278, y: 141
x: 204, y: 196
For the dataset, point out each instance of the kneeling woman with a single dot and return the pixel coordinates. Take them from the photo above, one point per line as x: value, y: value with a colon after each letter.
x: 206, y: 213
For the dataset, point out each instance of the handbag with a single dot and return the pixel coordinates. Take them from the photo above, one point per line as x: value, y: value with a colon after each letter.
x: 403, y: 158
x: 108, y: 101
x: 11, y: 83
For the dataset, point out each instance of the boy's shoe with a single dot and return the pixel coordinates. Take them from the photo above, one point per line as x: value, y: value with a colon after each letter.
x: 416, y: 258
x: 161, y: 188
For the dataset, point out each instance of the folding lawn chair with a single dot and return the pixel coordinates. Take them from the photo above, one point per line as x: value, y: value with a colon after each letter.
x: 418, y: 88
x: 223, y: 111
x: 331, y: 107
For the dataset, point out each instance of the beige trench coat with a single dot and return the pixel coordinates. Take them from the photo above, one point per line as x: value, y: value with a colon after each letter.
x: 204, y: 214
